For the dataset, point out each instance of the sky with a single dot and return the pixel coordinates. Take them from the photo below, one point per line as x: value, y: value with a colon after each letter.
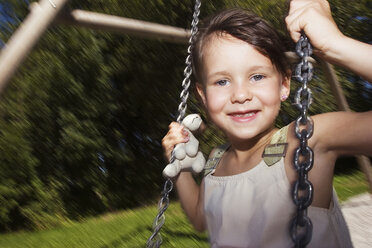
x: 7, y: 17
x: 6, y: 12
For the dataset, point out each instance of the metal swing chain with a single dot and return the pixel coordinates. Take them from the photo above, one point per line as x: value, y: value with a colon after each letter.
x: 155, y: 239
x: 188, y: 70
x: 301, y: 226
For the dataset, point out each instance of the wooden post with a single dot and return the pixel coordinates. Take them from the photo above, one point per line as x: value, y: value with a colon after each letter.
x: 24, y: 39
x: 363, y: 161
x: 335, y: 86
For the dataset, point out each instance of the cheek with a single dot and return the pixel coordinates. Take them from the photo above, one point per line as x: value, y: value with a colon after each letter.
x: 215, y: 100
x: 269, y: 96
x: 271, y: 99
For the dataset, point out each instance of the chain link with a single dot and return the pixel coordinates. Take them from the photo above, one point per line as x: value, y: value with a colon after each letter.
x: 155, y: 239
x: 301, y: 226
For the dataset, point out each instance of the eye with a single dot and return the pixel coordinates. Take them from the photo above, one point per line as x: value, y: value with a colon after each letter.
x: 257, y: 77
x: 222, y: 82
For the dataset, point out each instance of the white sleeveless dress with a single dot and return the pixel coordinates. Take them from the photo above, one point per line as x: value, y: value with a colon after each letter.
x: 255, y: 208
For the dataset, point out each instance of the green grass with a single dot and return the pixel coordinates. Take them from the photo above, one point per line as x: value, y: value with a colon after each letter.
x: 348, y: 185
x: 132, y: 228
x: 124, y: 229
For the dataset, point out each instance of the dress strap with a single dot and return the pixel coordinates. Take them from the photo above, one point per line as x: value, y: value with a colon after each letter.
x: 277, y: 148
x: 273, y: 152
x: 215, y: 158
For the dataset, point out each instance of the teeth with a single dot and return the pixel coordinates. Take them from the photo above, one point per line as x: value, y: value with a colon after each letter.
x: 244, y: 115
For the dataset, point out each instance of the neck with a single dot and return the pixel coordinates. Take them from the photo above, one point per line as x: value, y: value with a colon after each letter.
x: 245, y: 150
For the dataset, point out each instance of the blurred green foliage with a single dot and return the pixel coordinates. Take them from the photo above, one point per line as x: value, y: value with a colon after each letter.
x: 82, y: 120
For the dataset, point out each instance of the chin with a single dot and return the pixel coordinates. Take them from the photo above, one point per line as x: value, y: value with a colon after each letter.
x: 242, y: 136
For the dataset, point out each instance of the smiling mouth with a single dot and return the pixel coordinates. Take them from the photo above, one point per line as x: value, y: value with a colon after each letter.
x: 243, y: 116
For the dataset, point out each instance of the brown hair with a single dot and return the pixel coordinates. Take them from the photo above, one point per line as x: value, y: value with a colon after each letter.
x: 246, y: 26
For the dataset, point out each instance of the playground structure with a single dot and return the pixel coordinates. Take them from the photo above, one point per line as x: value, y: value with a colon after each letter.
x: 45, y: 13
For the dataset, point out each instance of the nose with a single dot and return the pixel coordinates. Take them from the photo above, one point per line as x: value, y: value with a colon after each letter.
x: 241, y: 93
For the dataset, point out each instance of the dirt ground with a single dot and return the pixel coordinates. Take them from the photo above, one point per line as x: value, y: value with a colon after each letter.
x: 358, y: 215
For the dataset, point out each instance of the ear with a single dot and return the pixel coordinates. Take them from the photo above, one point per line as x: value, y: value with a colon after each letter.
x: 285, y: 88
x: 201, y: 91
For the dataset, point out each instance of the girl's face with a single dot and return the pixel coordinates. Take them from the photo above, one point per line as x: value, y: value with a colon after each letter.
x: 241, y: 88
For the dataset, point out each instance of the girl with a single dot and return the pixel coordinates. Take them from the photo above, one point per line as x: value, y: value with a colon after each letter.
x: 242, y: 77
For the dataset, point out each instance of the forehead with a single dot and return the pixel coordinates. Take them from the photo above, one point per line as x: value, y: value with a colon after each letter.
x: 222, y: 41
x: 224, y: 52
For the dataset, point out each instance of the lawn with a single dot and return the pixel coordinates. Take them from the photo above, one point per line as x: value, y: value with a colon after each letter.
x: 132, y: 228
x: 348, y: 185
x: 124, y: 229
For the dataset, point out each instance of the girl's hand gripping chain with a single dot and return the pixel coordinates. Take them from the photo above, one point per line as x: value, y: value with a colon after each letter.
x: 187, y: 156
x: 315, y: 19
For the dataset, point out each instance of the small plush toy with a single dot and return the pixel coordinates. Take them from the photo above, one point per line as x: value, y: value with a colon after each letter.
x: 187, y: 155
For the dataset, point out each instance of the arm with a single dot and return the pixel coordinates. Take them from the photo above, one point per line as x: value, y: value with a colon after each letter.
x: 191, y: 197
x: 189, y: 192
x: 343, y: 133
x: 315, y: 19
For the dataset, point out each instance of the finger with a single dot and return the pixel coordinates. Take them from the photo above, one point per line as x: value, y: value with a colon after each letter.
x: 296, y: 4
x: 176, y: 135
x: 169, y: 147
x: 169, y: 142
x: 316, y: 21
x: 307, y: 10
x: 174, y: 126
x: 296, y: 19
x: 294, y: 24
x: 177, y: 132
x: 174, y: 129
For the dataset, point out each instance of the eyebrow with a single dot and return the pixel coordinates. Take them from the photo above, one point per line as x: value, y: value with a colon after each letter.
x: 252, y: 68
x: 217, y: 73
x: 257, y: 67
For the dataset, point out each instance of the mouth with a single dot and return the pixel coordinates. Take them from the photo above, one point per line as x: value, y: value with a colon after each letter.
x: 244, y: 116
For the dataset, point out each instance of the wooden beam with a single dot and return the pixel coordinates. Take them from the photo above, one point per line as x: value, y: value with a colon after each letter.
x: 47, y: 11
x: 24, y: 39
x: 124, y: 25
x: 134, y: 27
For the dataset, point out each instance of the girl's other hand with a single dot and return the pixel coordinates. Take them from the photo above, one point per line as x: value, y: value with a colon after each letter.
x: 176, y: 134
x: 315, y: 19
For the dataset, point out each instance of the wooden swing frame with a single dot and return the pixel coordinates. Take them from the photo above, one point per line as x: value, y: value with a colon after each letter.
x: 47, y: 12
